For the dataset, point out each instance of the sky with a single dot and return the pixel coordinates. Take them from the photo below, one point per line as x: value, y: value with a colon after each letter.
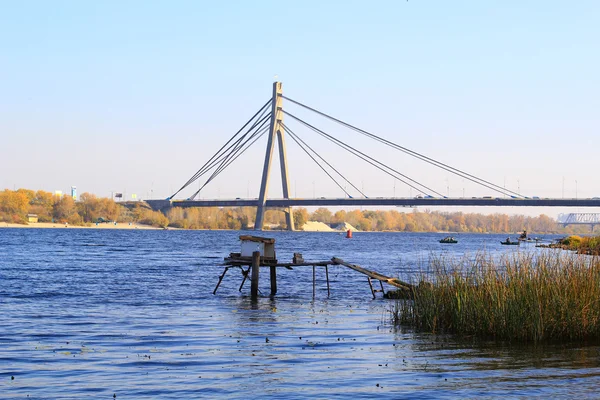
x: 135, y: 96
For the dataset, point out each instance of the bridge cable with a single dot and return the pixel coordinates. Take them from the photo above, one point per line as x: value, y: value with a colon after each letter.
x: 224, y: 154
x: 316, y: 162
x: 377, y: 164
x: 220, y: 153
x: 232, y: 149
x: 257, y: 135
x: 415, y: 154
x: 232, y: 154
x: 297, y: 138
x: 260, y: 134
x: 366, y: 158
x: 197, y: 174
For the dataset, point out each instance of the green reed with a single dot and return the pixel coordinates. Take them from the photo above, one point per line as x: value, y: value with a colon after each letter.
x: 523, y: 297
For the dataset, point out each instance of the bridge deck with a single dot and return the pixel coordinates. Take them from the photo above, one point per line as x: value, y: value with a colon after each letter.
x: 378, y: 201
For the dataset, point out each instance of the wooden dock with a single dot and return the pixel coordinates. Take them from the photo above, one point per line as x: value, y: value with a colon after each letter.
x: 253, y: 264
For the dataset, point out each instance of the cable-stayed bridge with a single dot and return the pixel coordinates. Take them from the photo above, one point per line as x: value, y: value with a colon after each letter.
x: 269, y: 120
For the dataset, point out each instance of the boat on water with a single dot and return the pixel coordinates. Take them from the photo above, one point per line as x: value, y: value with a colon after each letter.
x: 509, y: 242
x: 527, y: 240
x: 448, y: 239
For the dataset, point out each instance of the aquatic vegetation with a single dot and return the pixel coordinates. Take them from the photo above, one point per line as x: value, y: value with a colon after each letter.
x: 589, y: 245
x: 572, y: 240
x: 586, y: 244
x: 522, y: 297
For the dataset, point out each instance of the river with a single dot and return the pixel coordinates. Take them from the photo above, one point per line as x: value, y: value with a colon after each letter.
x: 130, y: 314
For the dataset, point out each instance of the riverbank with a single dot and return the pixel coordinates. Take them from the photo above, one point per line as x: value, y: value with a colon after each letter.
x: 589, y: 245
x: 46, y: 225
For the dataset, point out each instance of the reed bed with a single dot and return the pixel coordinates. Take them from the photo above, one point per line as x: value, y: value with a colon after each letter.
x: 522, y: 298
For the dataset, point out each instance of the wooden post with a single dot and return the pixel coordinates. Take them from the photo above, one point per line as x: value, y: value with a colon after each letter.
x: 220, y: 279
x: 371, y: 286
x: 254, y: 279
x: 245, y: 273
x: 273, y: 280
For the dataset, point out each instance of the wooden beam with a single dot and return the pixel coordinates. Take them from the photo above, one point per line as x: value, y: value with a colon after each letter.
x: 372, y: 274
x: 237, y: 261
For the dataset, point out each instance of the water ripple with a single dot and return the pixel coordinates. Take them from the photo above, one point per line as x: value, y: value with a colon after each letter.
x: 89, y: 313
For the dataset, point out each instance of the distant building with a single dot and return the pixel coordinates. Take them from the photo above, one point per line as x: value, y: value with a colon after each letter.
x: 32, y: 218
x: 74, y: 192
x: 58, y: 193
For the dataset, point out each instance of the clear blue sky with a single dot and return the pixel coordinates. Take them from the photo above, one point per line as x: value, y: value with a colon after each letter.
x: 134, y: 96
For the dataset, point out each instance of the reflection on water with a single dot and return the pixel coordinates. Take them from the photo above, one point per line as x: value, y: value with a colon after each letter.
x: 95, y: 313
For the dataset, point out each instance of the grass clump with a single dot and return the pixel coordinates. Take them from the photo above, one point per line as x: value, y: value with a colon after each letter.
x: 586, y: 245
x: 589, y: 245
x: 529, y: 298
x: 573, y: 240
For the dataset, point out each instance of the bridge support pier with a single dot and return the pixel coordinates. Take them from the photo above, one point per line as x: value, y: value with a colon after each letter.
x: 276, y: 130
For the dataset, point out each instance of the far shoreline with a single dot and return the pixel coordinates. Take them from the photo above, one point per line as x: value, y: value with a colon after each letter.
x: 50, y: 225
x: 137, y: 226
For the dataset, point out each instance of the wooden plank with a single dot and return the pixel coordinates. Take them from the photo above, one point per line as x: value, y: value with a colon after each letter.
x: 248, y: 261
x: 372, y: 274
x: 259, y: 239
x: 237, y: 261
x: 306, y: 264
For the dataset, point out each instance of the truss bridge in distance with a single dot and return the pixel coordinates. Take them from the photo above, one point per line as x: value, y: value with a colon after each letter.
x: 591, y: 219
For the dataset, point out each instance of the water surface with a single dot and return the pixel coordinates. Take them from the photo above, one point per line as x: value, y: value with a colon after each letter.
x: 96, y: 313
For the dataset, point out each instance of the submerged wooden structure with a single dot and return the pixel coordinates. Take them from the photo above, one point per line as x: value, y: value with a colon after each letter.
x: 264, y: 256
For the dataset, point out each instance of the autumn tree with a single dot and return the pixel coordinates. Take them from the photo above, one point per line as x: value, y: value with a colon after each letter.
x: 321, y: 215
x: 275, y: 217
x: 339, y: 217
x: 300, y: 217
x: 42, y: 205
x: 66, y: 211
x: 13, y: 206
x: 153, y: 218
x: 30, y: 194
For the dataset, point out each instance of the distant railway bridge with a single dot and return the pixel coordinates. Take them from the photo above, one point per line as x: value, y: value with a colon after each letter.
x: 591, y: 219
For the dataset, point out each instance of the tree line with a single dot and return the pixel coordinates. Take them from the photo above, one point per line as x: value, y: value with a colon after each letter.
x: 369, y: 220
x: 90, y: 209
x: 435, y: 221
x: 16, y: 205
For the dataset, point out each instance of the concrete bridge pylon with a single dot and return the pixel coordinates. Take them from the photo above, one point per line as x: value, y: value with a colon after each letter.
x: 275, y: 132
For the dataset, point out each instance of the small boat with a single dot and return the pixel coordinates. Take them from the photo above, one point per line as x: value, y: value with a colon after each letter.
x: 530, y: 240
x: 448, y: 239
x: 509, y: 242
